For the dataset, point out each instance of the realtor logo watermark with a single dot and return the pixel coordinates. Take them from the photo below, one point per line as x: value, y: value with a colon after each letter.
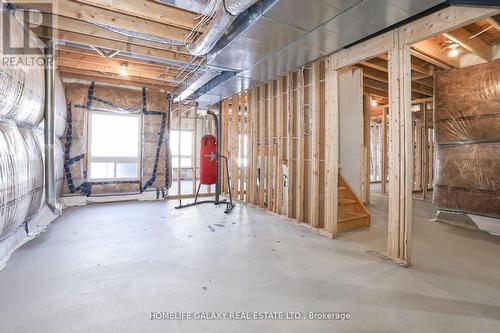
x: 19, y: 20
x: 252, y: 315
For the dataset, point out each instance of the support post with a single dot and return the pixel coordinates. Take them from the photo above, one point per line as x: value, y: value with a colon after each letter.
x: 331, y: 149
x: 315, y: 133
x: 400, y: 153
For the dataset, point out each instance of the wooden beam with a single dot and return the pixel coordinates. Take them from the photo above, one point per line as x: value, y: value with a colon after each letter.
x: 315, y: 145
x: 82, y: 54
x: 300, y: 147
x: 280, y: 120
x: 262, y: 143
x: 383, y: 134
x: 433, y: 50
x: 290, y: 145
x: 148, y: 10
x: 270, y: 190
x: 381, y: 76
x: 224, y: 142
x: 401, y: 154
x: 426, y: 58
x: 113, y: 79
x: 90, y: 29
x: 241, y: 145
x: 255, y: 147
x: 365, y: 160
x: 474, y: 45
x: 117, y: 62
x: 114, y: 45
x: 331, y: 149
x: 114, y: 69
x: 493, y: 22
x: 235, y: 109
x: 417, y: 89
x: 93, y: 14
x: 414, y: 67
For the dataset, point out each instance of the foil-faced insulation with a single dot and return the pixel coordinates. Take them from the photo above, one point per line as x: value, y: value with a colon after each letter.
x: 225, y: 13
x: 22, y: 91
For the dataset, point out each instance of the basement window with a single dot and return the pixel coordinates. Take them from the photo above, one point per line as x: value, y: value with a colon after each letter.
x: 181, y: 143
x: 114, y: 146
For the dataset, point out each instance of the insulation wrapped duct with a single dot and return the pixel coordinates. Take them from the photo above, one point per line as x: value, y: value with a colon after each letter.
x: 17, y: 179
x: 22, y: 87
x: 226, y: 13
x: 236, y: 7
x: 22, y: 93
x: 467, y: 122
x: 35, y: 172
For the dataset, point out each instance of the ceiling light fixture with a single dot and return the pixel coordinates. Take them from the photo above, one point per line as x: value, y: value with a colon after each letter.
x: 453, y: 50
x: 123, y: 70
x: 374, y: 102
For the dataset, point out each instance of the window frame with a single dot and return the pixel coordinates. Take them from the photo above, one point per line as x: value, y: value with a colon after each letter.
x: 110, y: 159
x: 180, y: 156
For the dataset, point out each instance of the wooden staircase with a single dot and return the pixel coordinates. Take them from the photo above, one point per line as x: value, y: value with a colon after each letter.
x: 351, y: 212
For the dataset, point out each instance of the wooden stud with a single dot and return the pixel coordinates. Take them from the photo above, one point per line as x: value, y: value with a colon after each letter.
x: 365, y: 160
x: 255, y: 148
x: 250, y: 142
x: 280, y: 120
x: 300, y: 147
x: 400, y: 153
x: 148, y: 10
x: 290, y: 144
x: 331, y: 149
x: 235, y: 105
x: 383, y: 172
x: 315, y: 137
x: 241, y: 146
x: 270, y: 142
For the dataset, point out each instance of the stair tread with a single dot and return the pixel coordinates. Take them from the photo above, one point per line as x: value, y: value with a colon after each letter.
x: 347, y: 201
x: 342, y: 188
x: 349, y: 216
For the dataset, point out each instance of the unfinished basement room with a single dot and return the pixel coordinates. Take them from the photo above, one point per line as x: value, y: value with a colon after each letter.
x: 250, y: 166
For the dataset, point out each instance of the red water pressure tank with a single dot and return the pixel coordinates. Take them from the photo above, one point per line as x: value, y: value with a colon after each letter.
x: 208, y: 160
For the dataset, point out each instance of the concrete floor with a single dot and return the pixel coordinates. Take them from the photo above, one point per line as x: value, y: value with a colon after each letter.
x: 104, y: 268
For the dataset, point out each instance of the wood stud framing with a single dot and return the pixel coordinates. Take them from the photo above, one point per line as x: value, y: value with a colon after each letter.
x: 297, y: 148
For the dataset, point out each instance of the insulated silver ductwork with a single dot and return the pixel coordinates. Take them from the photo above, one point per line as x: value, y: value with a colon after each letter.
x: 226, y: 13
x: 236, y: 7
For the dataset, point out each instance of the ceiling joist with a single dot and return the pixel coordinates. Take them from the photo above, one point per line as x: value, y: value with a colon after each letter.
x: 93, y: 14
x: 113, y: 45
x: 148, y: 10
x: 112, y: 78
x: 472, y: 44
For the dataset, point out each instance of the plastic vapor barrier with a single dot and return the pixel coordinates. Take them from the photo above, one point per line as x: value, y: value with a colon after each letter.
x: 151, y: 105
x: 467, y: 123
